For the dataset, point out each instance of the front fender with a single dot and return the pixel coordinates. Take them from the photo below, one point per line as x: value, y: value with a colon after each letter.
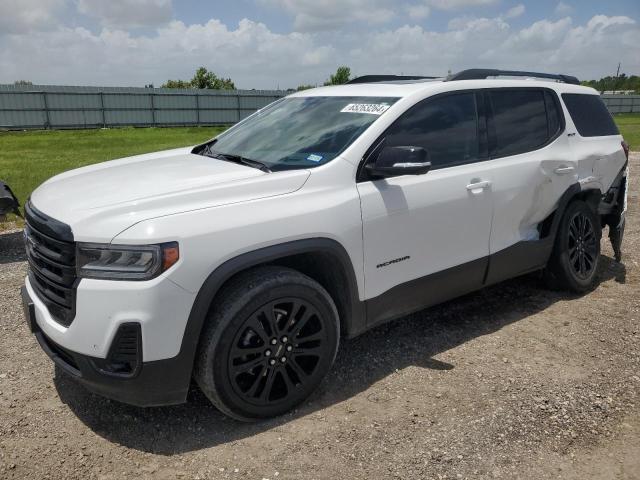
x: 228, y: 269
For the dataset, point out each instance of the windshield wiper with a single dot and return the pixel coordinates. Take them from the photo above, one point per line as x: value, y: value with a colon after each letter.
x: 246, y: 161
x: 236, y: 159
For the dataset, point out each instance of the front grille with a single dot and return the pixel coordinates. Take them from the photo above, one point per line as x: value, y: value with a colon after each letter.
x: 51, y: 253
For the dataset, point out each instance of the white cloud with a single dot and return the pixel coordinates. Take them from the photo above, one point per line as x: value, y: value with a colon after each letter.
x: 318, y: 15
x: 26, y: 15
x: 515, y: 12
x: 563, y: 9
x: 251, y: 54
x: 331, y: 15
x: 582, y: 50
x: 459, y: 4
x: 256, y: 57
x: 544, y: 35
x: 127, y: 13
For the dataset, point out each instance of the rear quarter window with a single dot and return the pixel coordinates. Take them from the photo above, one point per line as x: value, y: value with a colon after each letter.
x: 590, y: 115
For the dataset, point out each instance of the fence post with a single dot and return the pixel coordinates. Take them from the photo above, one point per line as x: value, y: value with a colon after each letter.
x: 153, y: 110
x: 197, y: 109
x: 104, y: 120
x: 239, y: 110
x: 47, y: 122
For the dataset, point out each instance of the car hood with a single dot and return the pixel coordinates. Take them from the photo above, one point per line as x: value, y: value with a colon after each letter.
x: 100, y: 201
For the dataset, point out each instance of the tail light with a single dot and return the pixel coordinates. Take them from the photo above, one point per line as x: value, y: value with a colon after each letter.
x: 625, y: 147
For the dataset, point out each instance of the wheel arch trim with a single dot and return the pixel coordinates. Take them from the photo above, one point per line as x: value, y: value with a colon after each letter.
x: 244, y: 261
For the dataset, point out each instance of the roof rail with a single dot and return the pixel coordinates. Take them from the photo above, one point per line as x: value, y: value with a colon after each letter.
x: 482, y: 73
x: 386, y: 78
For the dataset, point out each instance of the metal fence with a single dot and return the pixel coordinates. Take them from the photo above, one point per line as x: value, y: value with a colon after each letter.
x: 56, y: 107
x: 622, y: 103
x: 41, y: 107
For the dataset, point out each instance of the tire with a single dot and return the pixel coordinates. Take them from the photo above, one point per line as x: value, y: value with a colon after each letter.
x: 251, y: 372
x: 574, y: 261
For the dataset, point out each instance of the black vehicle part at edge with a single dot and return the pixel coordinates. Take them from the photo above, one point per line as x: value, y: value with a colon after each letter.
x: 8, y: 201
x: 611, y: 210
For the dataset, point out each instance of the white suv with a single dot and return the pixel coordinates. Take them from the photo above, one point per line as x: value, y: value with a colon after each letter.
x: 242, y: 261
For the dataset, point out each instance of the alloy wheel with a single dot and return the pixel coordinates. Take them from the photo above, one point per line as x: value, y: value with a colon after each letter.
x: 276, y: 351
x: 583, y: 249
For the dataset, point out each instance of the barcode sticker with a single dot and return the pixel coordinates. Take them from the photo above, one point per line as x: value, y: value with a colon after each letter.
x: 370, y: 108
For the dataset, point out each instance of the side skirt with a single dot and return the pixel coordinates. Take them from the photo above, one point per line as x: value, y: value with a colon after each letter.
x: 519, y: 259
x: 426, y: 291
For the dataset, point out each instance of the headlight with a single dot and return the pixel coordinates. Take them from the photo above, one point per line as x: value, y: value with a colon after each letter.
x: 125, y: 262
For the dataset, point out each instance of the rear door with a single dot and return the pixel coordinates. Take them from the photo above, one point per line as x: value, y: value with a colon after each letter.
x: 417, y: 225
x: 531, y: 167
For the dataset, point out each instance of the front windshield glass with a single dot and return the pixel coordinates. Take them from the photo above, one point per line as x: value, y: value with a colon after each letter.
x: 301, y: 132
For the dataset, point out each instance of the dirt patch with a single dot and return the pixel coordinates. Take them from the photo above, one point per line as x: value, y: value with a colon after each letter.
x: 510, y: 382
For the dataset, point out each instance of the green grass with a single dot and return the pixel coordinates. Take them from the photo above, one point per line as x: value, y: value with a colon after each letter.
x: 29, y: 158
x: 629, y: 125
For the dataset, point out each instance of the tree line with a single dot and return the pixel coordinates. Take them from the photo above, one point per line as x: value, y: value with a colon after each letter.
x: 620, y: 82
x: 204, y: 79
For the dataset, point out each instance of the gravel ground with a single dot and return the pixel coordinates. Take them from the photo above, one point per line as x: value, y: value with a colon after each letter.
x: 511, y: 382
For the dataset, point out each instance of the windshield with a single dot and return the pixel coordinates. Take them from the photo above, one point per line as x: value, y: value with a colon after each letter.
x: 301, y: 132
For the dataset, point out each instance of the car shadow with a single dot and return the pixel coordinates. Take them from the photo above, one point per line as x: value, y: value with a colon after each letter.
x: 412, y: 341
x: 12, y: 248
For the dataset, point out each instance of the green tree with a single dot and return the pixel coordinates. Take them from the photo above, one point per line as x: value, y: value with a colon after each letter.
x: 342, y: 76
x: 304, y: 87
x: 176, y: 84
x: 621, y: 82
x: 203, y: 79
x: 23, y: 82
x: 224, y: 84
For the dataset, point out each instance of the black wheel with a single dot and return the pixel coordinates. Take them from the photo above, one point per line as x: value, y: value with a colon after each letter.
x: 574, y: 261
x: 270, y: 339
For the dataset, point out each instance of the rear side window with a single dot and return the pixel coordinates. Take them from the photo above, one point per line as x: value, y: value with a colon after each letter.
x: 447, y: 127
x: 590, y: 115
x: 519, y: 121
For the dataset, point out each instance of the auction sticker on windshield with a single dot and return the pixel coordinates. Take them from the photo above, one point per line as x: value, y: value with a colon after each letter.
x: 371, y: 108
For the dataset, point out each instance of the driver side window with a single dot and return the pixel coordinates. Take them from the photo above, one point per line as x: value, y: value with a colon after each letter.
x: 446, y: 127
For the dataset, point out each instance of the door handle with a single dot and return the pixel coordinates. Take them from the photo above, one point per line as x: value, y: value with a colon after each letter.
x: 476, y: 186
x: 563, y: 170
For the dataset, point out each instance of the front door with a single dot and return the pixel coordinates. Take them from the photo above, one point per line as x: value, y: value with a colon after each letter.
x: 426, y: 237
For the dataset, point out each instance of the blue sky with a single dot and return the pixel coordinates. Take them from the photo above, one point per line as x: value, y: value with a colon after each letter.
x: 284, y: 43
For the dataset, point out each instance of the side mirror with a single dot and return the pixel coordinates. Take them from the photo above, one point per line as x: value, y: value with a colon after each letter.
x: 396, y: 161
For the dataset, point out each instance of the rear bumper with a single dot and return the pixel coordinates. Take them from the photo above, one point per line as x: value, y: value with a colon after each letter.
x: 155, y: 383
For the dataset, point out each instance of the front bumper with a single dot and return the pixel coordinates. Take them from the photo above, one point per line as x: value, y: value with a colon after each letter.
x: 154, y: 383
x: 102, y: 306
